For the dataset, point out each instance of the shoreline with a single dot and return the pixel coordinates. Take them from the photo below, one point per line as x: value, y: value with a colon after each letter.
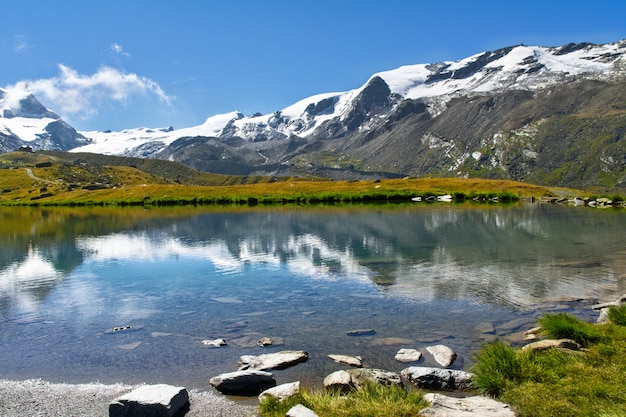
x: 34, y: 397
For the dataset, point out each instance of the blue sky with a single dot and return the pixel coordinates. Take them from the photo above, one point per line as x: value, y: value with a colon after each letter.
x: 120, y: 64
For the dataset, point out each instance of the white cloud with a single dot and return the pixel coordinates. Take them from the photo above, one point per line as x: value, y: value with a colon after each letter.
x: 117, y: 49
x: 71, y: 93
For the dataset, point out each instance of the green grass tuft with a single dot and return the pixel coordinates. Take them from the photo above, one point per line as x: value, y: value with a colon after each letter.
x: 566, y: 326
x: 499, y: 365
x: 373, y: 400
x: 617, y: 314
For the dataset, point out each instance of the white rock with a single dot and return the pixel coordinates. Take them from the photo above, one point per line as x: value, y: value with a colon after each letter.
x: 442, y: 354
x: 408, y: 355
x: 340, y: 380
x: 444, y: 406
x: 281, y: 392
x: 300, y: 411
x: 355, y: 361
x: 278, y: 360
x: 214, y: 343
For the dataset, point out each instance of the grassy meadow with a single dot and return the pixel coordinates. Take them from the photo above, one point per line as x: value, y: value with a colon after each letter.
x: 40, y: 179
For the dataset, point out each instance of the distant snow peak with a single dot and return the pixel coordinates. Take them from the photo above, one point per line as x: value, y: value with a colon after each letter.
x: 18, y: 103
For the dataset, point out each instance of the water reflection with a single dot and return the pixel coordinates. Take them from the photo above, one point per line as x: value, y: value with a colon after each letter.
x: 516, y: 255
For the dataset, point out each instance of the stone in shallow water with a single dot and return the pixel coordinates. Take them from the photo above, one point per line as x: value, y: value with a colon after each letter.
x: 130, y: 346
x: 485, y: 328
x: 391, y: 341
x: 243, y: 382
x: 408, y: 355
x: 227, y: 300
x: 160, y: 334
x: 442, y: 354
x: 356, y: 361
x: 151, y: 400
x: 214, y: 343
x: 246, y: 341
x: 278, y: 360
x: 514, y: 324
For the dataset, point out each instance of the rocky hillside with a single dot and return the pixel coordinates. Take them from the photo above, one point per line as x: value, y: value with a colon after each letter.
x: 554, y: 116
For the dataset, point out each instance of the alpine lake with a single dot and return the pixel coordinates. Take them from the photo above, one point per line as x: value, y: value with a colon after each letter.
x: 130, y: 294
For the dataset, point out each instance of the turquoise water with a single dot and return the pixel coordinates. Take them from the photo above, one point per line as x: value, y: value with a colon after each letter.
x: 418, y: 275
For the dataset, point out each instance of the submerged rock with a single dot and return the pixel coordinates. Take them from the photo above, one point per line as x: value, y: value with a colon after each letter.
x: 362, y: 332
x: 355, y: 361
x: 278, y: 360
x: 391, y: 341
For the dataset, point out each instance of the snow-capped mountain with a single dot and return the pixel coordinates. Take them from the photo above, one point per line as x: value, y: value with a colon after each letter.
x: 24, y: 121
x: 519, y: 67
x: 500, y: 114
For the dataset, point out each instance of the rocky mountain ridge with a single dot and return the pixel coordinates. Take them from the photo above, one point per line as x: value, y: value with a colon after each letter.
x: 24, y: 121
x: 554, y: 116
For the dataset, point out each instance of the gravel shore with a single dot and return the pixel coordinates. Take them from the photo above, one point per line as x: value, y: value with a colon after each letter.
x: 36, y: 398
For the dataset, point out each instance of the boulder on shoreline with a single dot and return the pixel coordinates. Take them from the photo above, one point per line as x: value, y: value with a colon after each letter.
x: 281, y: 392
x: 437, y: 378
x: 245, y: 383
x: 344, y: 381
x: 159, y: 400
x: 444, y: 406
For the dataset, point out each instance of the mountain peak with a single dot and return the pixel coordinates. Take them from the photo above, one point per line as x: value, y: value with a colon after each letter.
x: 20, y: 104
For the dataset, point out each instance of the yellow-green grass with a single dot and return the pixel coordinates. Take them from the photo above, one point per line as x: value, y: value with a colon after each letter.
x: 127, y: 185
x: 557, y: 382
x: 372, y: 400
